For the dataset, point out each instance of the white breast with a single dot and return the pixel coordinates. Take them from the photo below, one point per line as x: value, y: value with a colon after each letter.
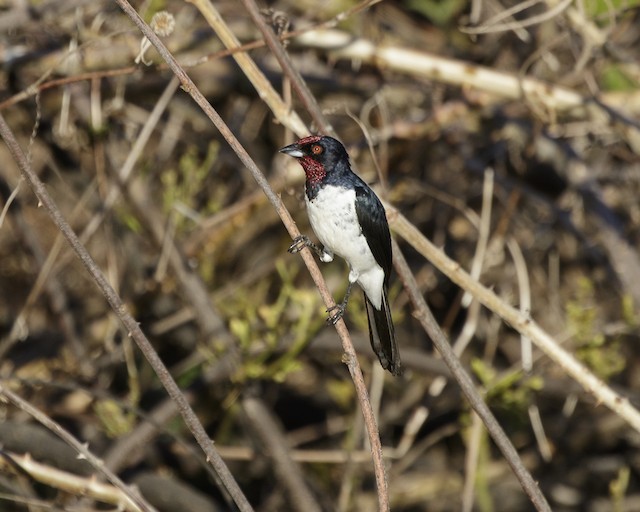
x: 333, y: 217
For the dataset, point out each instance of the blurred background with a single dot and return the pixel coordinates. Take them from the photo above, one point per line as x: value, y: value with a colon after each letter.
x: 198, y: 254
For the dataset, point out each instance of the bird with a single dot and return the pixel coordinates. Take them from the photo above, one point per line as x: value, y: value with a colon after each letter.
x: 350, y: 221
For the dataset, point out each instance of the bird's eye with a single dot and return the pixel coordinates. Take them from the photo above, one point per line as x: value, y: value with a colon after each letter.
x: 317, y: 149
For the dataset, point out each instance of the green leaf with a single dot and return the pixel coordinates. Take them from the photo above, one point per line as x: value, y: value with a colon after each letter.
x: 614, y: 78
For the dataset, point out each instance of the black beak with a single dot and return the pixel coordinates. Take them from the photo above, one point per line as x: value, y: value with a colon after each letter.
x: 292, y: 150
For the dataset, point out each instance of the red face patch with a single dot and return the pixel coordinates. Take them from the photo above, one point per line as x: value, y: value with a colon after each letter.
x: 309, y: 140
x: 314, y: 170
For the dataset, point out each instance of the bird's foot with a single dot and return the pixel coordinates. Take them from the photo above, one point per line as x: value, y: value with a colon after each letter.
x: 299, y: 243
x: 336, y: 313
x: 302, y: 241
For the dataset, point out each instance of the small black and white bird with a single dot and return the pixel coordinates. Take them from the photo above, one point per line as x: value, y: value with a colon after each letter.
x: 349, y: 220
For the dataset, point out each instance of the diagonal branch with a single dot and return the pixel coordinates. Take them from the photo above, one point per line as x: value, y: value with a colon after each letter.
x: 129, y: 323
x: 133, y: 501
x: 519, y: 321
x: 429, y: 324
x: 349, y: 351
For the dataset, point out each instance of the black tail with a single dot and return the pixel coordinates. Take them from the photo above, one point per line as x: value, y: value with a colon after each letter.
x: 383, y: 340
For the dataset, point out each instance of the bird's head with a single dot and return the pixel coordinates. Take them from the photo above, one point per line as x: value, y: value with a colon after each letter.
x: 319, y: 156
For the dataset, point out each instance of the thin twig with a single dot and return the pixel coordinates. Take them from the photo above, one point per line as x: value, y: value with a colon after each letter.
x: 475, y: 438
x: 268, y: 94
x: 350, y: 356
x: 42, y: 85
x: 491, y: 26
x: 524, y: 296
x: 112, y: 194
x: 522, y: 323
x: 429, y: 324
x: 129, y: 323
x: 483, y: 233
x: 299, y: 85
x: 132, y: 500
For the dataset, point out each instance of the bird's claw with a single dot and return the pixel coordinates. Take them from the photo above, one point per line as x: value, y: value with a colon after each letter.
x: 299, y: 243
x: 339, y: 313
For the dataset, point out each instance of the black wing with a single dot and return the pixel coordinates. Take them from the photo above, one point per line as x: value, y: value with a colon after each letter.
x: 375, y: 228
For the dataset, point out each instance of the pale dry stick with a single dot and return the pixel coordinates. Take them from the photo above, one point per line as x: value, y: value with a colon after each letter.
x: 596, y: 36
x: 544, y: 447
x: 29, y: 502
x: 471, y: 459
x: 468, y: 329
x: 431, y: 327
x: 267, y: 93
x: 483, y: 233
x: 508, y: 13
x: 300, y: 86
x: 68, y: 482
x: 10, y: 199
x: 349, y: 357
x: 338, y: 456
x: 42, y: 84
x: 367, y: 135
x: 520, y: 33
x: 476, y: 11
x: 410, y: 432
x: 456, y: 72
x: 522, y: 323
x: 473, y: 313
x: 129, y: 323
x: 132, y: 500
x: 379, y: 155
x: 524, y: 296
x: 488, y: 28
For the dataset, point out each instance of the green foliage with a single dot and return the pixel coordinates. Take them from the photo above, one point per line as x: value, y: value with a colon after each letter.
x: 260, y: 323
x: 604, y: 8
x: 342, y: 392
x: 260, y: 326
x: 440, y: 12
x: 115, y: 421
x: 510, y: 392
x: 182, y: 185
x: 614, y: 78
x: 188, y: 376
x: 629, y: 313
x: 153, y: 7
x: 131, y: 221
x: 618, y: 489
x: 602, y: 356
x: 484, y: 500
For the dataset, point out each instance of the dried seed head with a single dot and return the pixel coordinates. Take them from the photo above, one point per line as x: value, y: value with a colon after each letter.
x: 163, y: 23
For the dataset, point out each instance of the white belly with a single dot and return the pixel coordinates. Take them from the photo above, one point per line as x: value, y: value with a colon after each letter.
x: 333, y: 218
